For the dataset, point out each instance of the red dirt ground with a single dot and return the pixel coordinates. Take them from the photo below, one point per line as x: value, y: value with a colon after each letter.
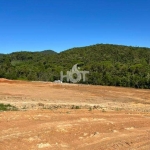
x: 111, y: 118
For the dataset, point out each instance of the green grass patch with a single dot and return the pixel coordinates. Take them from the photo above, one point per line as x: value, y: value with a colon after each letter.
x: 7, y: 107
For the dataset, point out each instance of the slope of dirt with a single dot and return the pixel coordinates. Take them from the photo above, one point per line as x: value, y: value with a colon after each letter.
x: 112, y: 118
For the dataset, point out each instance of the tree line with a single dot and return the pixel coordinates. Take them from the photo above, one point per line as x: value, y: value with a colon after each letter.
x: 112, y: 65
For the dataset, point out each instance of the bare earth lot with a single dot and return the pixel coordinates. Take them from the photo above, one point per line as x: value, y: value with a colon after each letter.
x: 110, y: 118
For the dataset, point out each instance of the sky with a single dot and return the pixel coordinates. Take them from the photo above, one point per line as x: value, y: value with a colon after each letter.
x: 35, y: 25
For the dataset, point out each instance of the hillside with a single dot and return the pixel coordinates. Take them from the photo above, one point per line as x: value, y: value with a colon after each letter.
x: 112, y: 65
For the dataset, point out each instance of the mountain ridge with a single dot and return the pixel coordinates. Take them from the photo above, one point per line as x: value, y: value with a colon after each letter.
x: 53, y: 51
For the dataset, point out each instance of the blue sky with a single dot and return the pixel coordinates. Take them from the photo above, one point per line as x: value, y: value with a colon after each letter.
x: 35, y: 25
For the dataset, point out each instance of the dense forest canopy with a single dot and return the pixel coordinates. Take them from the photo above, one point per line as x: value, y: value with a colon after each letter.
x: 113, y: 65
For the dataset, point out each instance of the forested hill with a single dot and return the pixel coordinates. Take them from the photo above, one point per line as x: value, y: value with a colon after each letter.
x: 48, y: 52
x: 113, y: 65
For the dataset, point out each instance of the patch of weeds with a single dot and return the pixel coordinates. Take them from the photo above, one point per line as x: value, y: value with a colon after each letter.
x: 117, y: 109
x: 7, y: 107
x: 90, y: 109
x: 75, y: 107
